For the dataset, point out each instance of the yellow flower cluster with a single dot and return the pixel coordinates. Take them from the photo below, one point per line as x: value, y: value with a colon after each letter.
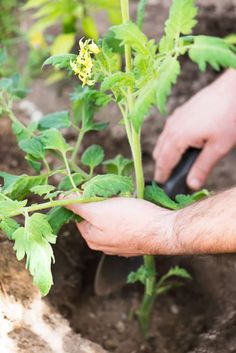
x: 83, y: 64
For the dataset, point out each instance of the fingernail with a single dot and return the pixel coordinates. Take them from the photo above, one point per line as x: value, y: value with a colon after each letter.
x: 194, y: 183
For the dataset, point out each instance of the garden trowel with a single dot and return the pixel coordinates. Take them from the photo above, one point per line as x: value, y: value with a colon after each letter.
x: 112, y: 271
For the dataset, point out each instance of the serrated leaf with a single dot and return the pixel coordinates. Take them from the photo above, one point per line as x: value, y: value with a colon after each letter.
x: 9, y: 226
x: 107, y: 186
x: 59, y: 216
x: 168, y: 73
x: 119, y: 165
x: 117, y: 81
x: 42, y: 189
x: 153, y: 193
x: 184, y: 200
x: 146, y: 99
x: 53, y: 140
x: 93, y: 156
x: 33, y: 241
x: 130, y: 34
x: 61, y: 61
x: 65, y: 184
x: 213, y: 51
x: 18, y: 187
x: 20, y: 131
x: 139, y: 276
x: 58, y: 120
x: 182, y: 18
x: 9, y: 207
x: 85, y: 103
x: 34, y: 163
x: 33, y: 147
x: 178, y: 272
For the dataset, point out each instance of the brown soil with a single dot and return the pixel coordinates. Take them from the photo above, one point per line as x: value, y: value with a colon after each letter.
x: 200, y: 317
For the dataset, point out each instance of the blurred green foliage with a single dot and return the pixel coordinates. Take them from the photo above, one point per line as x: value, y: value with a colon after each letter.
x: 72, y: 17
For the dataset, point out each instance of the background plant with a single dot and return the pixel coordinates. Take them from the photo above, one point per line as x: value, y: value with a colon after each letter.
x: 150, y: 70
x: 72, y: 16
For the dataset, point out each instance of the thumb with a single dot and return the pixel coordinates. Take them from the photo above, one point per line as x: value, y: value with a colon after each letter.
x: 204, y: 164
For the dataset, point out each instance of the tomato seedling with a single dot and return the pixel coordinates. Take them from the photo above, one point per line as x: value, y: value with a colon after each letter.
x: 150, y: 70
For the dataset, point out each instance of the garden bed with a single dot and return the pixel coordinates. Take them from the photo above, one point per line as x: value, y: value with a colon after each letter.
x: 198, y: 317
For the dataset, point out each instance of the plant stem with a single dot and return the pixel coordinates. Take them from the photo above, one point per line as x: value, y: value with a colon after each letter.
x: 69, y: 171
x: 51, y: 204
x: 138, y: 166
x: 149, y: 261
x: 77, y: 146
x: 141, y: 12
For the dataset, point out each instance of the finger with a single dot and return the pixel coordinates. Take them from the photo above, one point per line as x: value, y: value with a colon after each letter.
x: 209, y: 157
x: 100, y: 241
x: 89, y: 211
x: 95, y: 237
x: 169, y: 156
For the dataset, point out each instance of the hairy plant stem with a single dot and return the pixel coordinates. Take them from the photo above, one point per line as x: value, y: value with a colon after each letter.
x: 52, y: 204
x: 69, y: 171
x: 135, y: 144
x: 77, y: 147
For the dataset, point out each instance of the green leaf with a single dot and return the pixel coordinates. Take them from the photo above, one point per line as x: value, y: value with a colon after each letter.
x: 86, y: 102
x: 141, y: 13
x: 59, y: 216
x: 89, y: 27
x: 13, y: 86
x: 93, y: 156
x: 33, y: 241
x: 58, y: 120
x: 107, y: 186
x: 130, y: 34
x: 178, y: 272
x: 157, y: 195
x: 9, y: 226
x: 34, y: 163
x: 8, y: 207
x: 117, y: 81
x: 119, y: 165
x: 168, y: 73
x: 33, y: 147
x: 61, y: 61
x: 184, y: 200
x: 213, y: 51
x: 18, y: 187
x: 53, y: 140
x: 139, y: 276
x: 42, y: 189
x: 182, y: 20
x: 65, y: 184
x: 63, y: 44
x: 20, y: 131
x: 146, y: 99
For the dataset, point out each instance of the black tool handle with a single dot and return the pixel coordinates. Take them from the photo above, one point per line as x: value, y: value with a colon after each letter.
x: 176, y: 184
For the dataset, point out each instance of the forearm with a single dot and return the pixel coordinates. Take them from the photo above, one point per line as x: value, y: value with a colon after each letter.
x: 209, y: 226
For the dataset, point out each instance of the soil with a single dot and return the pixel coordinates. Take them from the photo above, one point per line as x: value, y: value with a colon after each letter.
x: 199, y: 317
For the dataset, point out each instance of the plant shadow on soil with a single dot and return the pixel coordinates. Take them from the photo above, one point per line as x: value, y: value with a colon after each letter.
x: 199, y: 317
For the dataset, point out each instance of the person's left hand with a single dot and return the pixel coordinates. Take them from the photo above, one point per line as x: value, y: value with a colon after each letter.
x: 127, y: 227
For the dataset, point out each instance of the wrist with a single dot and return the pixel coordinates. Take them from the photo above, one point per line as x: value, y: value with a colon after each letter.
x: 166, y: 240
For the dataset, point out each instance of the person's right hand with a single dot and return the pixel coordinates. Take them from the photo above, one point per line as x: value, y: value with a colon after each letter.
x: 207, y: 121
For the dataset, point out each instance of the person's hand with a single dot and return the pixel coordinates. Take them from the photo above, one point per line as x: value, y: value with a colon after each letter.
x: 207, y: 121
x: 127, y: 227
